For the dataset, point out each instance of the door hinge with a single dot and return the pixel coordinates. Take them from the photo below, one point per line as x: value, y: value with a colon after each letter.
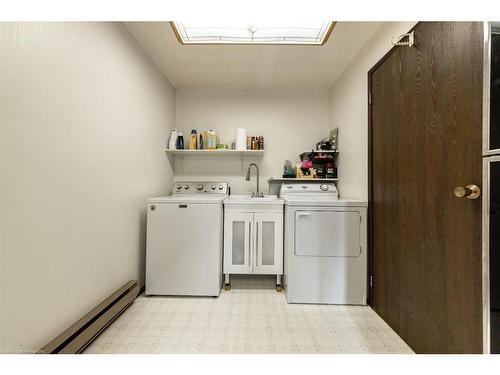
x: 370, y: 98
x: 371, y: 281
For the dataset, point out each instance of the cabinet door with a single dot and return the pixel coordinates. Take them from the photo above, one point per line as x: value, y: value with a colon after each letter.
x: 268, y: 243
x: 238, y: 242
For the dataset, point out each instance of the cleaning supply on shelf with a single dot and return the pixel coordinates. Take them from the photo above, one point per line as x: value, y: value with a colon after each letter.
x: 172, y: 143
x: 241, y: 139
x: 193, y: 140
x: 261, y: 142
x: 201, y: 144
x: 210, y: 140
x: 180, y: 142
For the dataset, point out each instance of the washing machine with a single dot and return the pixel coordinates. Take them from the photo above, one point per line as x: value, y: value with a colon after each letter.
x: 325, y: 259
x: 184, y: 240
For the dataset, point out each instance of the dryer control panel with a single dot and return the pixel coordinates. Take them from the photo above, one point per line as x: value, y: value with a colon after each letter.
x: 317, y: 189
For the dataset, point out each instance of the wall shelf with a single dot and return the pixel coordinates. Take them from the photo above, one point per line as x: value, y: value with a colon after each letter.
x: 180, y: 155
x: 318, y: 152
x: 220, y: 152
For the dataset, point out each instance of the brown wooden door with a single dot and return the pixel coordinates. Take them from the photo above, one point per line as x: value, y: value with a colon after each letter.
x: 425, y: 138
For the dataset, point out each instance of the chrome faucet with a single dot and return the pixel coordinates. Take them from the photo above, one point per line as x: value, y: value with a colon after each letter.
x: 257, y: 194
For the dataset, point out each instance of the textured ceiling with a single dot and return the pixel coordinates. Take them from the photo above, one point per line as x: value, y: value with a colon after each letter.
x: 251, y: 66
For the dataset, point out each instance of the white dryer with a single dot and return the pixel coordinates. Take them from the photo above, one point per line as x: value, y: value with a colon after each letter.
x: 325, y: 245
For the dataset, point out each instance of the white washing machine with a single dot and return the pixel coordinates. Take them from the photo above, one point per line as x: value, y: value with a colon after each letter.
x: 184, y: 240
x: 325, y: 245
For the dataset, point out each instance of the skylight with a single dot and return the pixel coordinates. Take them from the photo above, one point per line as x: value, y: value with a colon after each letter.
x: 256, y: 33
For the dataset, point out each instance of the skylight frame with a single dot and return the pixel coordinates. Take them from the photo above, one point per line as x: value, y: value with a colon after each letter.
x: 330, y: 25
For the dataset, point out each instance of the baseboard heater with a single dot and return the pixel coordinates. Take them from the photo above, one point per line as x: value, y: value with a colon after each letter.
x: 77, y: 337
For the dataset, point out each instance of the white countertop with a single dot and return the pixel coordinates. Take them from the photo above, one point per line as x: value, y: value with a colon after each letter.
x: 247, y: 199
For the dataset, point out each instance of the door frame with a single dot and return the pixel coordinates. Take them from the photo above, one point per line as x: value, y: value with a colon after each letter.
x: 370, y: 165
x: 489, y: 156
x: 485, y: 201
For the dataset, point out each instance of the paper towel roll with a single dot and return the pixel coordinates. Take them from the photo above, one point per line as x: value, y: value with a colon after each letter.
x: 241, y: 139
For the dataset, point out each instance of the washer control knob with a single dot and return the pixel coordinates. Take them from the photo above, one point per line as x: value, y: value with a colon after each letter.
x: 199, y: 187
x: 213, y: 187
x: 221, y: 187
x: 186, y: 187
x: 179, y: 187
x: 324, y: 187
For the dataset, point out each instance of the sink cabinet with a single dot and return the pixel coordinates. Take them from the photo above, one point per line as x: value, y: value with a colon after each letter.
x: 253, y: 239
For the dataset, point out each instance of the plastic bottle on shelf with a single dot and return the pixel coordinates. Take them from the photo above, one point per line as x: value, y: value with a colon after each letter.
x: 201, y: 144
x: 211, y: 140
x: 193, y: 140
x: 172, y: 143
x: 180, y: 142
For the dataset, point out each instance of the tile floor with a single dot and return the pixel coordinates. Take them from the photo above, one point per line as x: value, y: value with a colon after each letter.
x: 251, y: 318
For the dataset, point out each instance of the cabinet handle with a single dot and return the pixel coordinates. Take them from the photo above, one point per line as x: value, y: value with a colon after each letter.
x: 257, y: 244
x: 249, y: 243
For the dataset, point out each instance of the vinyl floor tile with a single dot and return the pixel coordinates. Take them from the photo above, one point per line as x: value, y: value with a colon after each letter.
x: 251, y: 318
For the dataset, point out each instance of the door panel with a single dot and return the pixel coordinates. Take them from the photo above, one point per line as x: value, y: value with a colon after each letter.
x: 425, y: 141
x: 237, y: 242
x: 494, y: 232
x: 337, y: 233
x: 174, y: 247
x: 268, y: 243
x: 495, y: 88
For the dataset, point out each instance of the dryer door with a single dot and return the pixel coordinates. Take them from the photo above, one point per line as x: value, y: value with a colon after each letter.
x: 327, y: 233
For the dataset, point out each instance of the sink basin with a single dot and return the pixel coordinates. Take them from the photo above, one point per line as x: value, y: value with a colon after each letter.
x: 247, y: 199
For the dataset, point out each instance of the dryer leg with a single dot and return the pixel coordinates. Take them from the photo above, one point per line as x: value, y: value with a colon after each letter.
x: 227, y: 285
x: 279, y: 287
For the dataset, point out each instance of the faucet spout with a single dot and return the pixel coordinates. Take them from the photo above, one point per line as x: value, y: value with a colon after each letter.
x: 257, y: 194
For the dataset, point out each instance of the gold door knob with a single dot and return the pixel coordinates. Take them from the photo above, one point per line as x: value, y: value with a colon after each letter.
x: 469, y: 191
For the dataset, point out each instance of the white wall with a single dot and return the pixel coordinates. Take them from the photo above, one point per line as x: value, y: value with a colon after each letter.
x: 84, y: 117
x: 349, y: 110
x: 291, y: 121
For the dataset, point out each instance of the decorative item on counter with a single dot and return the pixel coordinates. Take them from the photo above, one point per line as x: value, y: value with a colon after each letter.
x: 241, y: 139
x: 288, y: 170
x: 320, y: 172
x: 306, y: 164
x: 331, y: 171
x: 298, y: 171
x: 233, y: 145
x: 324, y: 144
x: 249, y: 143
x: 172, y: 143
x: 193, y: 140
x: 180, y: 142
x: 322, y: 158
x: 222, y: 146
x: 201, y: 145
x: 334, y: 135
x: 313, y: 173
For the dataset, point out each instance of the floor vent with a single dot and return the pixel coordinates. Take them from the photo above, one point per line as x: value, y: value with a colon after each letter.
x: 77, y: 337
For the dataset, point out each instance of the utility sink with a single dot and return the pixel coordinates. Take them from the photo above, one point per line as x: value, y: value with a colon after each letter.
x: 248, y: 199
